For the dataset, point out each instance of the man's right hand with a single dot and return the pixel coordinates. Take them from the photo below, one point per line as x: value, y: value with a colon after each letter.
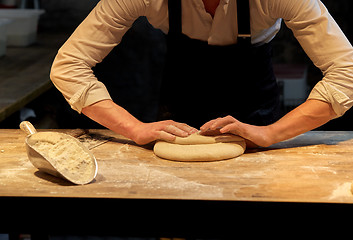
x: 117, y: 119
x: 165, y: 130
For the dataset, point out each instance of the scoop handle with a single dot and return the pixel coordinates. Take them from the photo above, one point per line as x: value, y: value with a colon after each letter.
x: 27, y: 127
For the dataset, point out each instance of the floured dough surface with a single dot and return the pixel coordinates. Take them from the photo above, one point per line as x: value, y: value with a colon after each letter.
x: 200, y: 139
x: 201, y: 148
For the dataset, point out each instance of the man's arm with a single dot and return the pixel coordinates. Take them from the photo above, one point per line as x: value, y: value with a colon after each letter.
x: 330, y: 51
x: 325, y: 44
x: 306, y: 117
x: 117, y: 119
x: 72, y: 72
x: 91, y: 42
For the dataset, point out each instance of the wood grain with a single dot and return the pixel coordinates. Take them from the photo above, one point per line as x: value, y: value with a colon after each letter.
x: 314, y: 167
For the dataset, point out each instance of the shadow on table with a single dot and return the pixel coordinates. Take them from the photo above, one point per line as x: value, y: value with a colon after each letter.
x: 310, y: 139
x: 52, y: 179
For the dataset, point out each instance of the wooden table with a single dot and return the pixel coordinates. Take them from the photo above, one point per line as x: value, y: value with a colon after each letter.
x: 308, y: 177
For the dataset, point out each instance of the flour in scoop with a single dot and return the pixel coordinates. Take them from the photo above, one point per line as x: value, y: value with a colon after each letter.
x: 66, y: 154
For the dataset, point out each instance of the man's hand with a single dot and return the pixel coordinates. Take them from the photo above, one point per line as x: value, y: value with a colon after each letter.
x: 165, y: 130
x: 117, y: 119
x: 306, y: 117
x: 255, y: 135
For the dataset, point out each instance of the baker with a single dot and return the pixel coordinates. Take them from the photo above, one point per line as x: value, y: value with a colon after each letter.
x: 218, y: 67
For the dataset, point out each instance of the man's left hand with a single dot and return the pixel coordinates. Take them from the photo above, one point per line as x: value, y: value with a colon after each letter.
x: 255, y: 135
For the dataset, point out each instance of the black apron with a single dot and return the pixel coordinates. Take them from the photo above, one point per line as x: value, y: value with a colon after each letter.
x: 203, y: 82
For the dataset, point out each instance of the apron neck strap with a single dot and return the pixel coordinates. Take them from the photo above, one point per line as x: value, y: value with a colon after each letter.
x: 243, y: 14
x: 175, y: 22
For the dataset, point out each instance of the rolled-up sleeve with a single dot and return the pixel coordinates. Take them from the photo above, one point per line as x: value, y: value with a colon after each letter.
x: 91, y: 42
x: 327, y: 47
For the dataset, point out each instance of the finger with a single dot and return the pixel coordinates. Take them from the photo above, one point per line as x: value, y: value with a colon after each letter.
x: 211, y: 133
x: 221, y: 122
x: 231, y: 128
x: 172, y: 129
x: 185, y: 127
x: 207, y: 125
x: 162, y: 135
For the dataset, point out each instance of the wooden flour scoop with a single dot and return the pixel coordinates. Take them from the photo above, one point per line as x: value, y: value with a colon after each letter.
x: 60, y: 155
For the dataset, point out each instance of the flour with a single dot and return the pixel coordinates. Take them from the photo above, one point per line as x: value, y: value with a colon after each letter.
x: 65, y: 154
x: 342, y: 192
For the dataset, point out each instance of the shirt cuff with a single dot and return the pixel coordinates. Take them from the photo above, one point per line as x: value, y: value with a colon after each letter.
x: 339, y: 101
x: 92, y: 93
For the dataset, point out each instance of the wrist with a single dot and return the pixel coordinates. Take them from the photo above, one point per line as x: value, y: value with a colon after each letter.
x: 114, y: 117
x: 132, y: 129
x: 269, y: 135
x: 259, y: 136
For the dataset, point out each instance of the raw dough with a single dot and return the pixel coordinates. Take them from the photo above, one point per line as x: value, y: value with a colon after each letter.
x: 201, y: 139
x: 201, y: 148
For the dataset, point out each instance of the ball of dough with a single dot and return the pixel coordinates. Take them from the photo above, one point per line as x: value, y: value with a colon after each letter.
x: 196, y: 138
x: 201, y: 148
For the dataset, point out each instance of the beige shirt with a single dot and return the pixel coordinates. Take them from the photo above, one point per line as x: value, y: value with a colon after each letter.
x: 103, y: 29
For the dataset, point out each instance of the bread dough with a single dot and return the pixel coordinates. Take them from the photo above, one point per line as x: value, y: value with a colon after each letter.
x: 201, y: 148
x: 196, y: 138
x: 199, y: 152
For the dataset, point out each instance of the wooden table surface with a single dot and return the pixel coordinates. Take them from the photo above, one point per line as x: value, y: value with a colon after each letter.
x: 316, y: 167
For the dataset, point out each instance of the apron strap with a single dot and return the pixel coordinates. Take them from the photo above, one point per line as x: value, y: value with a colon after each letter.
x: 244, y: 29
x: 174, y: 11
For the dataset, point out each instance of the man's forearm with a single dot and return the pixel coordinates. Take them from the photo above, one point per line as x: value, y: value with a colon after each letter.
x: 117, y: 119
x: 306, y: 117
x: 112, y: 116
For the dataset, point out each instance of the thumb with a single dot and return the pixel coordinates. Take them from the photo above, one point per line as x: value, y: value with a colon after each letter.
x: 233, y: 128
x: 165, y: 136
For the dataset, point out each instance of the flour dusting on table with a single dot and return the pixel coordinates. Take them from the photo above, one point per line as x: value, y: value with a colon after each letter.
x: 343, y: 191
